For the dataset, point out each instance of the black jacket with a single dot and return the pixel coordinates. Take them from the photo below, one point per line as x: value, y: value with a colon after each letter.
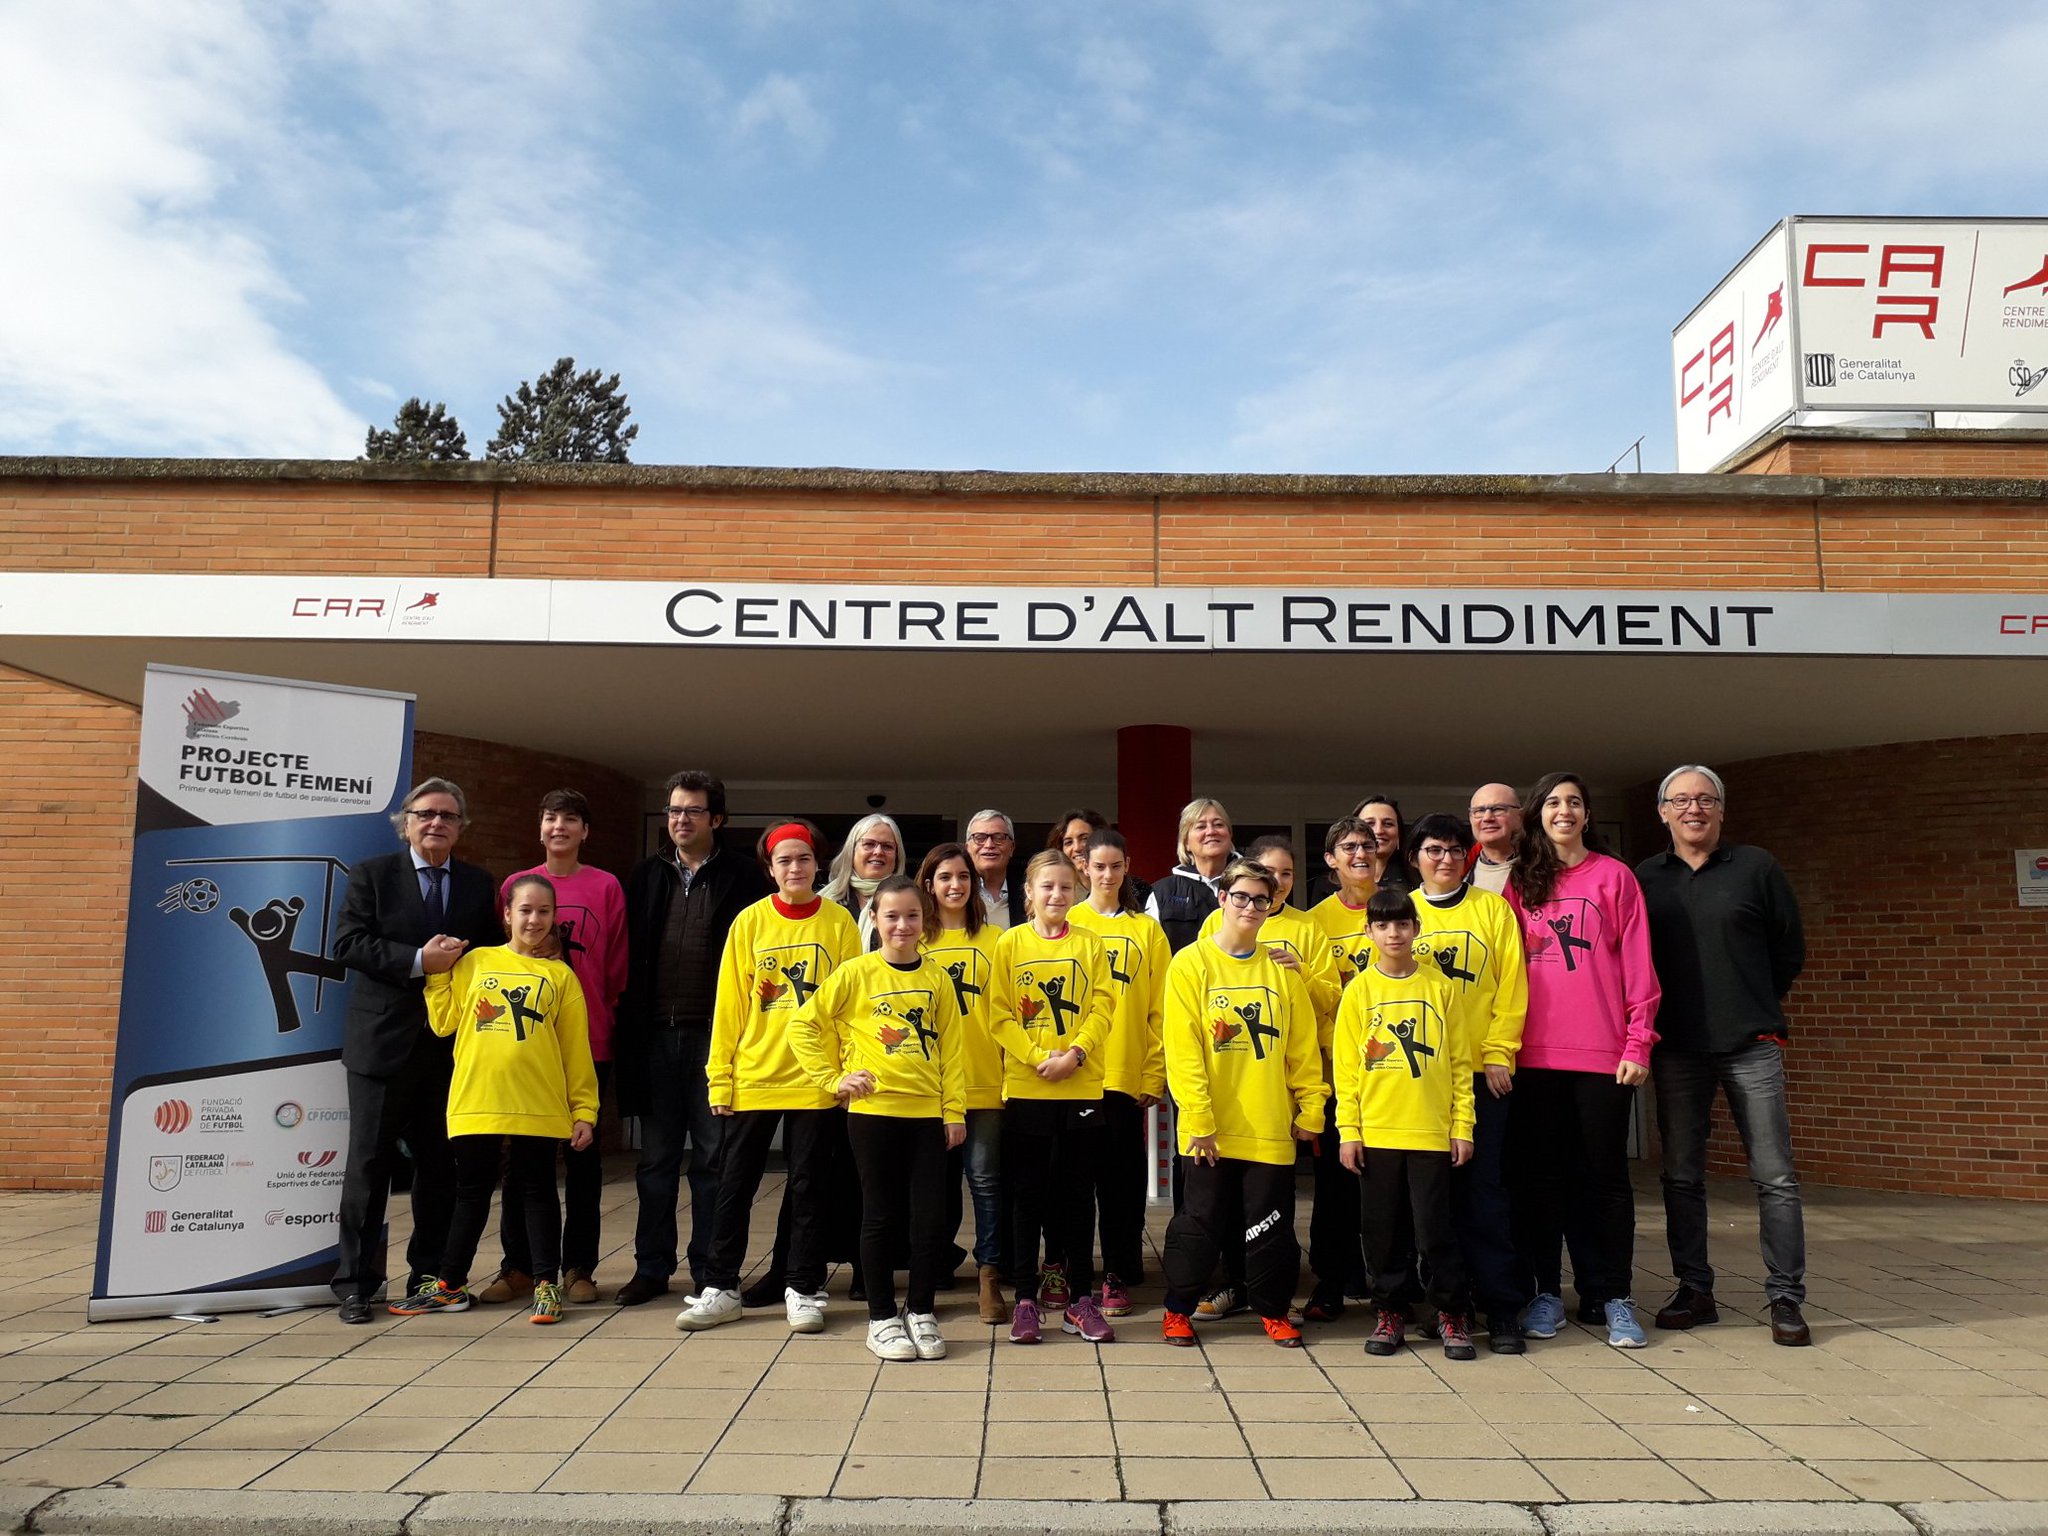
x: 1728, y: 944
x: 1181, y: 902
x: 732, y: 882
x: 383, y: 924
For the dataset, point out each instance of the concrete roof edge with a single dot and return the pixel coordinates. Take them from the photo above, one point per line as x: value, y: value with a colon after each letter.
x: 1031, y: 483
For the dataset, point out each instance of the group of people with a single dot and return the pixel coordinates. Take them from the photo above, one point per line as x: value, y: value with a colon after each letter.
x: 1457, y: 1030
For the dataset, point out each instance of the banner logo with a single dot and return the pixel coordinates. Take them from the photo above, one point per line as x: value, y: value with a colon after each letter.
x: 317, y: 1159
x: 1820, y: 370
x: 2038, y: 280
x: 200, y: 895
x: 204, y: 713
x: 289, y: 1114
x: 154, y: 1221
x: 172, y: 1116
x: 2025, y: 378
x: 166, y: 1173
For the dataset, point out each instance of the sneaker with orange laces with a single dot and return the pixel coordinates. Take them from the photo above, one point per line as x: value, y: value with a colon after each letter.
x: 1053, y: 1294
x: 1178, y: 1328
x: 1282, y: 1332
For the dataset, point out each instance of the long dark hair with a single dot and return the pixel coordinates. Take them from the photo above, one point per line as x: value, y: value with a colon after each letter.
x: 1536, y: 863
x: 933, y: 922
x: 1126, y: 893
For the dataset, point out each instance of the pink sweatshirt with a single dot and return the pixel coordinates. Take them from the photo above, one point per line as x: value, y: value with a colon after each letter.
x: 1593, y: 992
x: 590, y: 915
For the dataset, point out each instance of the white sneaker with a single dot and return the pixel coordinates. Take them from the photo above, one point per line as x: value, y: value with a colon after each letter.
x: 924, y: 1333
x: 886, y: 1337
x: 806, y: 1313
x: 708, y: 1309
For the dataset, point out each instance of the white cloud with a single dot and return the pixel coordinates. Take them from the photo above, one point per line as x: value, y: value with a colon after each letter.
x: 144, y: 316
x: 782, y: 103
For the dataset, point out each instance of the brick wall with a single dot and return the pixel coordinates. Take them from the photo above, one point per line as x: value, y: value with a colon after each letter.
x: 1919, y: 1055
x: 503, y: 786
x: 1948, y: 454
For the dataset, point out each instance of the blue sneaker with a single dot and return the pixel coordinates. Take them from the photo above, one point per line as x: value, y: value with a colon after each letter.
x: 1544, y: 1317
x: 1623, y: 1331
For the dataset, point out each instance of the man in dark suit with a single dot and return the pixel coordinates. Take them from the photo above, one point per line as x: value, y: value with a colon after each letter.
x: 398, y: 1070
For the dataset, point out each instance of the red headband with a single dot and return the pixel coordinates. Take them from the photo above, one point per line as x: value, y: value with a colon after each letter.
x: 786, y: 831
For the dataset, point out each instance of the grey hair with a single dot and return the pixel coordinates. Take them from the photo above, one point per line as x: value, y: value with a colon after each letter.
x: 1713, y: 778
x: 429, y: 787
x: 1191, y: 813
x: 1009, y: 826
x: 841, y: 880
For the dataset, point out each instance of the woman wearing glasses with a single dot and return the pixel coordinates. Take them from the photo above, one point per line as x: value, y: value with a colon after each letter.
x: 873, y: 851
x: 1593, y: 996
x: 1242, y: 1062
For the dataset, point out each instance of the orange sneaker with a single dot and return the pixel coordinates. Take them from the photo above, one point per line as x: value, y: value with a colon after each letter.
x: 1282, y: 1332
x: 1179, y: 1329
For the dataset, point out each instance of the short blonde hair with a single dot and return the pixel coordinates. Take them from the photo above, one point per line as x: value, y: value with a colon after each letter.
x: 1191, y: 813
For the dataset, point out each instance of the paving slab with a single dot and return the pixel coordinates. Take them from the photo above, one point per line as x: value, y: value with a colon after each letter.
x: 971, y: 1517
x: 1966, y: 1518
x: 598, y: 1514
x: 16, y: 1504
x: 1729, y: 1518
x: 1395, y: 1517
x: 222, y: 1512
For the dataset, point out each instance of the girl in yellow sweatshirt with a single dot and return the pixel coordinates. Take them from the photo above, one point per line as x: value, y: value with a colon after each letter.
x: 523, y: 1084
x: 1050, y: 1009
x: 1242, y: 1063
x: 779, y: 952
x: 1134, y: 1071
x: 883, y: 1034
x: 958, y: 934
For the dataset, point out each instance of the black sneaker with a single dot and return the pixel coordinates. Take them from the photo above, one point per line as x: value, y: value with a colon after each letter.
x: 1592, y: 1313
x: 1504, y: 1336
x: 764, y: 1292
x: 1688, y: 1308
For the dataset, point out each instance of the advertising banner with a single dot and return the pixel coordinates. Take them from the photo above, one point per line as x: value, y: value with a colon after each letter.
x: 228, y: 1131
x: 1733, y: 360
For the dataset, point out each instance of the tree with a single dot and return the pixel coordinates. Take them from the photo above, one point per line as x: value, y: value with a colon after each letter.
x: 419, y: 434
x: 565, y: 418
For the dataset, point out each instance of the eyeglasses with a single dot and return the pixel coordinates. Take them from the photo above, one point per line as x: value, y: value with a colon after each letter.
x: 1495, y: 810
x: 1248, y: 899
x: 1438, y: 851
x: 688, y: 812
x: 989, y: 839
x: 1687, y: 802
x: 451, y: 816
x: 868, y: 845
x: 1352, y: 845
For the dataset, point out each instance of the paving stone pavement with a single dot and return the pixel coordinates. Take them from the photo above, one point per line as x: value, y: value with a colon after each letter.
x: 1923, y: 1405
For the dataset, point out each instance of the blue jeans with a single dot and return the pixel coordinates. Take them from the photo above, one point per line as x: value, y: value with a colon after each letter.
x: 984, y: 1149
x: 1753, y: 1079
x: 678, y: 1117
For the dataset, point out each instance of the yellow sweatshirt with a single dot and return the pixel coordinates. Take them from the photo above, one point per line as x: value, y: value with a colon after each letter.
x: 1343, y: 929
x: 1134, y: 1062
x: 1050, y: 995
x: 1241, y: 1054
x: 1474, y: 940
x: 522, y: 1045
x: 899, y: 1023
x: 1404, y: 1078
x: 1295, y: 932
x: 969, y: 965
x: 772, y: 965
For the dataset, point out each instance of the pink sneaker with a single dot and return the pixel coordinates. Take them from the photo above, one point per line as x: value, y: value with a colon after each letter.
x: 1114, y: 1300
x: 1024, y: 1323
x: 1086, y: 1319
x: 1052, y: 1288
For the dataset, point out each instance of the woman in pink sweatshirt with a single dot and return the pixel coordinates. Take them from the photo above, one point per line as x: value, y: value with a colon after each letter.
x: 1593, y: 998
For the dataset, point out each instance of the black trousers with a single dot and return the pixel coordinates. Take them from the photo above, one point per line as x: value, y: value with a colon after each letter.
x: 902, y: 1164
x: 1568, y: 1167
x: 839, y: 1200
x: 1051, y: 1149
x: 1234, y: 1208
x: 805, y: 1143
x: 412, y: 1104
x: 1120, y: 1187
x: 1408, y: 1194
x: 1334, y: 1250
x: 527, y: 1164
x: 583, y: 1187
x: 1483, y: 1213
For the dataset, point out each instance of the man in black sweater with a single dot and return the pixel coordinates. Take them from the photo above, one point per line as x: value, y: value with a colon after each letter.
x: 679, y: 906
x: 398, y: 1070
x: 1727, y: 942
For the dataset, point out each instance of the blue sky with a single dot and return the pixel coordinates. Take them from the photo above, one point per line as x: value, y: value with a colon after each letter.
x: 1269, y: 235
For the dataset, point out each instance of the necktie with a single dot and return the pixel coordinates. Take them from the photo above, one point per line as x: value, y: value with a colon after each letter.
x: 437, y: 905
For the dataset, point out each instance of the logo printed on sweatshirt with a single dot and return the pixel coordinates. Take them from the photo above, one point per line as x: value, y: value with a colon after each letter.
x: 786, y: 976
x: 969, y: 973
x: 1242, y: 1018
x: 1458, y: 952
x: 907, y: 1018
x: 521, y: 1002
x: 1564, y: 929
x: 1050, y: 993
x: 1123, y: 957
x: 1406, y: 1032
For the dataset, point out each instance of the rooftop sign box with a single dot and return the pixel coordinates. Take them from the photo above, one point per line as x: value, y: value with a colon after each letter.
x: 1832, y: 319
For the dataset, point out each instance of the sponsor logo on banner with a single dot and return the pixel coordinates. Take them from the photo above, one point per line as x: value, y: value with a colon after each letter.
x: 317, y: 1159
x: 322, y: 606
x: 166, y: 1172
x: 154, y: 1221
x: 288, y: 1114
x: 272, y: 1217
x: 172, y: 1116
x: 198, y: 895
x: 204, y: 714
x: 2038, y: 279
x: 219, y: 1117
x: 1820, y: 370
x: 2025, y: 376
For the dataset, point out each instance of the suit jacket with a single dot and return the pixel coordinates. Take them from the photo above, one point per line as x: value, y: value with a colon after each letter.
x: 383, y: 924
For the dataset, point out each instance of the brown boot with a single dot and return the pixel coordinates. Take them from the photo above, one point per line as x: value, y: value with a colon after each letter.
x: 993, y: 1308
x: 577, y: 1286
x: 507, y: 1285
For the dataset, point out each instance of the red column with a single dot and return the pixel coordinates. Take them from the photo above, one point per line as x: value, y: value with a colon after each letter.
x: 1155, y: 776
